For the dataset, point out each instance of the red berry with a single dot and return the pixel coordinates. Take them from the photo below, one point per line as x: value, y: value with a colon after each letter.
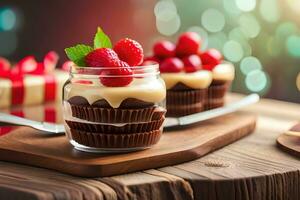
x: 129, y: 51
x: 121, y: 63
x: 117, y: 77
x: 164, y: 49
x: 171, y: 65
x: 188, y: 43
x: 191, y: 63
x: 152, y: 58
x: 102, y: 57
x: 211, y: 57
x: 208, y: 67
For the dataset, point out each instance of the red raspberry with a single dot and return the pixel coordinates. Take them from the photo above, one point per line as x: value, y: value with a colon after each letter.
x: 208, y: 67
x: 164, y: 49
x: 211, y: 58
x: 188, y: 43
x: 152, y: 58
x: 171, y: 65
x: 102, y: 57
x: 191, y: 63
x: 129, y: 51
x: 116, y: 80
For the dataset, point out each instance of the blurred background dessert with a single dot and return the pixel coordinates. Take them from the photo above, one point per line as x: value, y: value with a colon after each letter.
x: 261, y: 38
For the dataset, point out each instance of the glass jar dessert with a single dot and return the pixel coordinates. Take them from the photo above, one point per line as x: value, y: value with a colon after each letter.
x: 113, y: 103
x: 100, y: 118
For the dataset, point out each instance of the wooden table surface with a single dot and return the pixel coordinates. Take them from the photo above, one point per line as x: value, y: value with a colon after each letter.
x: 252, y: 168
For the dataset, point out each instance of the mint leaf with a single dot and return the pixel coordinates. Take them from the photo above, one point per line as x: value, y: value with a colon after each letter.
x: 101, y: 40
x: 77, y: 53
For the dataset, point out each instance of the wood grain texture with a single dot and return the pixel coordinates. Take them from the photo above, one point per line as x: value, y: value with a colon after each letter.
x: 25, y: 145
x: 289, y: 142
x: 253, y: 168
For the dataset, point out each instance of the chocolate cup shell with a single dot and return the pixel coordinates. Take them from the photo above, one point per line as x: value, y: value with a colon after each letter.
x: 116, y: 115
x: 216, y: 95
x: 107, y: 128
x: 215, y: 103
x: 186, y: 97
x: 180, y: 103
x: 182, y: 110
x: 218, y: 91
x: 99, y: 140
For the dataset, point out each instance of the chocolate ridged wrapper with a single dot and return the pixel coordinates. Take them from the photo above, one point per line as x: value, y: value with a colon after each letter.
x: 109, y: 128
x: 216, y: 94
x: 182, y: 110
x: 180, y: 103
x: 112, y: 140
x: 116, y: 115
x: 186, y: 97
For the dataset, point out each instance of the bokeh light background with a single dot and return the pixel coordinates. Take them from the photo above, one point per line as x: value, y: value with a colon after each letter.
x: 261, y: 37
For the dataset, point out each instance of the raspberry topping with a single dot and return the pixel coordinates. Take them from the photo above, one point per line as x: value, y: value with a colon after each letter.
x: 211, y: 58
x: 171, y: 65
x: 119, y: 77
x: 129, y: 51
x: 191, y: 63
x: 188, y: 43
x: 164, y: 49
x: 102, y: 57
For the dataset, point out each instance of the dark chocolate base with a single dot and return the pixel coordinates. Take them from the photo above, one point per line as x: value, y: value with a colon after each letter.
x: 112, y: 140
x: 104, y: 129
x: 216, y: 94
x: 185, y: 102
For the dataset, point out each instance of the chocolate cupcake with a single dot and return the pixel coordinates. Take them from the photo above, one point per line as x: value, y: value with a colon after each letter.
x: 223, y: 75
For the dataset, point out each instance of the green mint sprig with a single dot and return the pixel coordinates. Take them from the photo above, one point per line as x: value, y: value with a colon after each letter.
x: 77, y: 53
x: 101, y: 40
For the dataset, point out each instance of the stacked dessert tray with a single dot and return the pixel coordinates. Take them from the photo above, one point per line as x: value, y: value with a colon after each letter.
x: 178, y: 144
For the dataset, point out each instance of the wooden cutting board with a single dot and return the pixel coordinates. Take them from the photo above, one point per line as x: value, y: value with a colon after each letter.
x: 290, y: 141
x: 25, y: 145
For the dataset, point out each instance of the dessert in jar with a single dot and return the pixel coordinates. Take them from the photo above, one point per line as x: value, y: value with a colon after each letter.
x: 110, y: 102
x: 195, y: 80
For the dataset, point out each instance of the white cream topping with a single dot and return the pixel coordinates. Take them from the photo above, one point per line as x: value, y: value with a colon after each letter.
x: 224, y: 72
x: 196, y: 80
x: 145, y: 89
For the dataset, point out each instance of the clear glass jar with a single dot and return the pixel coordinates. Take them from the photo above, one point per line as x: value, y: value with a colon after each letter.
x: 100, y: 117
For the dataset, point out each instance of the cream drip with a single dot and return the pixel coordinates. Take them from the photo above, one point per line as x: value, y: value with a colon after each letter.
x: 145, y: 89
x: 224, y: 72
x: 196, y: 80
